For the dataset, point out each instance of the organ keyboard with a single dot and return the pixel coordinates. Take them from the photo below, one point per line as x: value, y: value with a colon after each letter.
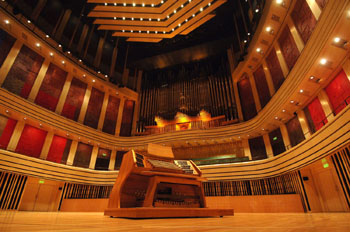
x: 155, y: 185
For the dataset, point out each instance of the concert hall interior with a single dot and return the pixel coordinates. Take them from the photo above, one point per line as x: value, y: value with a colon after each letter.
x: 246, y: 103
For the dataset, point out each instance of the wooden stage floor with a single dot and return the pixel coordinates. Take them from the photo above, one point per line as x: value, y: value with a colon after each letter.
x: 283, y: 222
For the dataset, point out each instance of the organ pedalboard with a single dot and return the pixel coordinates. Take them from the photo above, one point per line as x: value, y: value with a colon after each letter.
x: 155, y: 185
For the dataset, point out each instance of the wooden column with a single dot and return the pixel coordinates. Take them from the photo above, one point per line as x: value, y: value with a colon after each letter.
x: 120, y: 116
x: 255, y: 91
x: 285, y: 136
x: 268, y: 146
x: 114, y: 58
x: 295, y: 34
x: 85, y: 104
x: 303, y: 123
x: 346, y: 68
x: 316, y: 10
x: 38, y: 8
x: 38, y: 81
x: 247, y: 153
x: 139, y: 81
x: 112, y: 159
x: 93, y: 157
x: 268, y: 78
x: 82, y: 38
x: 103, y: 111
x: 47, y: 144
x: 72, y: 151
x: 64, y: 94
x: 62, y: 24
x: 10, y: 59
x: 281, y: 60
x: 238, y: 102
x: 125, y: 77
x: 326, y: 105
x: 16, y: 135
x: 99, y: 51
x: 135, y: 117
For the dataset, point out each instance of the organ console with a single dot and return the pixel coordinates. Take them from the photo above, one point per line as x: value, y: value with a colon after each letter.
x: 154, y: 185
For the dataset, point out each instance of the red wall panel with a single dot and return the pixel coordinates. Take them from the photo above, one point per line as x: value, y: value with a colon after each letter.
x: 23, y: 72
x: 338, y: 92
x: 94, y: 108
x: 304, y: 19
x: 57, y: 148
x: 262, y: 87
x: 289, y: 48
x: 111, y: 115
x: 128, y: 111
x: 51, y: 87
x: 31, y: 141
x: 317, y: 114
x: 74, y: 100
x: 275, y: 69
x: 7, y: 133
x: 6, y: 43
x: 247, y: 99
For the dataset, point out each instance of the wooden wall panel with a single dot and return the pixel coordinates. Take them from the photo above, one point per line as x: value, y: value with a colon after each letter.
x: 74, y: 100
x: 321, y: 3
x: 304, y: 19
x: 275, y: 69
x: 261, y: 86
x: 6, y: 43
x: 295, y: 132
x: 111, y: 115
x: 51, y: 87
x: 247, y: 99
x: 31, y: 141
x: 94, y: 108
x: 103, y: 157
x: 257, y: 148
x: 338, y: 91
x: 11, y: 190
x: 82, y: 155
x: 289, y: 48
x: 23, y: 72
x: 128, y: 112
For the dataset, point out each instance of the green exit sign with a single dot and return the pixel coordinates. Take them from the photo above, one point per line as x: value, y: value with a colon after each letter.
x: 274, y: 138
x: 104, y: 154
x: 326, y: 165
x: 41, y: 181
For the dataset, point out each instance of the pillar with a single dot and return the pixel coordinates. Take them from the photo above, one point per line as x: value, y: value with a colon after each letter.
x: 281, y: 60
x: 316, y: 10
x: 16, y: 135
x: 238, y: 102
x: 268, y: 146
x: 62, y: 24
x: 255, y: 92
x: 47, y: 145
x: 112, y: 159
x: 10, y: 59
x: 326, y: 105
x: 38, y: 81
x: 93, y: 157
x: 64, y: 94
x: 103, y: 111
x: 295, y: 34
x: 303, y: 123
x: 72, y: 151
x: 85, y: 104
x: 268, y: 78
x: 285, y: 136
x: 120, y: 116
x: 246, y: 148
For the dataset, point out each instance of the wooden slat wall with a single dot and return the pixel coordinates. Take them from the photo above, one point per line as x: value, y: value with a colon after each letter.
x: 80, y: 191
x: 11, y: 189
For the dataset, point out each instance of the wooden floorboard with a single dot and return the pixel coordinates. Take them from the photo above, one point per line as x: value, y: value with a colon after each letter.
x: 39, y: 221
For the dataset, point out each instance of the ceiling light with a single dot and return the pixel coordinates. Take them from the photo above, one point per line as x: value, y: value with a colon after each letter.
x: 37, y: 44
x: 105, y: 3
x: 256, y: 10
x: 51, y: 54
x: 115, y: 17
x: 141, y: 19
x: 279, y: 1
x: 139, y: 31
x: 245, y: 41
x: 98, y: 72
x: 80, y: 60
x: 268, y: 29
x: 134, y: 4
x: 283, y: 110
x: 186, y: 20
x: 7, y: 21
x: 147, y: 32
x: 93, y: 80
x: 301, y: 91
x: 156, y: 32
x: 312, y: 77
x: 106, y: 76
x: 25, y: 118
x: 123, y: 18
x: 28, y: 21
x: 182, y: 6
x: 323, y: 61
x: 150, y: 19
x: 162, y: 2
x: 248, y: 33
x: 124, y: 4
x: 59, y: 45
x: 173, y: 29
x: 168, y: 16
x: 163, y: 32
x: 131, y: 31
x: 68, y: 52
x: 193, y: 15
x: 201, y: 9
x: 132, y: 18
x: 158, y: 19
x: 179, y: 25
x: 276, y: 118
x: 123, y: 30
x: 47, y: 36
x: 143, y: 4
x: 84, y: 75
x: 258, y: 49
x: 63, y: 62
x: 115, y: 4
x: 174, y: 11
x: 292, y: 101
x: 189, y: 0
x: 336, y: 39
x: 152, y: 5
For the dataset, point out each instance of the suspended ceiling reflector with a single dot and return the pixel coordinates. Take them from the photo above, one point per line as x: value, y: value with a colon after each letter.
x: 152, y: 20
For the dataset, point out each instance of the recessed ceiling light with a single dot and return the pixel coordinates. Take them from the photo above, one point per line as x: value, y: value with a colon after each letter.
x: 276, y: 118
x: 301, y: 91
x: 105, y: 3
x: 63, y: 62
x: 106, y: 75
x: 209, y: 4
x: 201, y: 9
x: 248, y: 33
x: 51, y: 53
x: 123, y: 18
x: 158, y: 19
x: 68, y: 52
x: 28, y: 21
x: 131, y: 31
x: 123, y: 30
x: 7, y: 21
x: 80, y: 60
x: 174, y: 11
x: 312, y: 77
x: 292, y: 101
x: 268, y: 29
x: 150, y: 19
x: 283, y: 110
x: 93, y: 80
x: 279, y: 1
x: 47, y: 36
x: 336, y: 39
x: 258, y: 49
x: 132, y: 18
x: 152, y: 5
x: 124, y: 4
x: 256, y: 10
x: 115, y: 3
x: 84, y: 75
x: 323, y: 61
x: 134, y: 4
x: 245, y: 41
x: 115, y: 18
x: 147, y: 32
x: 167, y: 16
x: 141, y: 19
x: 143, y: 4
x: 182, y: 6
x: 37, y: 44
x: 59, y: 45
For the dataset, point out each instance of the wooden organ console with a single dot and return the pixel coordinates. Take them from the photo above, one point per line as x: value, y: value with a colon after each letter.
x: 155, y: 185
